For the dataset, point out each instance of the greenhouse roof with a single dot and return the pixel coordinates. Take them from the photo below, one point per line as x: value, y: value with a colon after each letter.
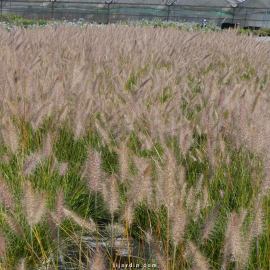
x: 256, y: 4
x: 235, y: 3
x: 211, y: 3
x: 225, y: 3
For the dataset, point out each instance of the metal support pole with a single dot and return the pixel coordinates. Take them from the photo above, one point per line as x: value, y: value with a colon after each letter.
x: 168, y: 14
x: 264, y: 19
x: 1, y: 6
x: 108, y: 10
x: 245, y: 18
x: 233, y: 15
x: 52, y: 1
x: 249, y: 18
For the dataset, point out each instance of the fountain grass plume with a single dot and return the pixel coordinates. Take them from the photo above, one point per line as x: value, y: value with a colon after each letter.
x: 13, y: 224
x: 93, y: 170
x: 198, y: 259
x: 34, y: 205
x: 258, y: 225
x: 159, y: 256
x: 88, y: 225
x: 97, y: 262
x: 7, y: 197
x: 123, y: 161
x: 113, y: 199
x: 11, y: 137
x: 59, y: 208
x: 47, y: 146
x: 233, y: 241
x: 63, y: 168
x: 142, y: 184
x: 2, y: 248
x: 179, y: 224
x: 21, y: 265
x: 128, y: 214
x: 209, y: 224
x: 31, y: 163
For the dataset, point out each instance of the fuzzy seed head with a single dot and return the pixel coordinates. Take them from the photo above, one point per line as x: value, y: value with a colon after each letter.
x: 63, y: 168
x: 97, y: 263
x: 94, y: 170
x: 7, y: 197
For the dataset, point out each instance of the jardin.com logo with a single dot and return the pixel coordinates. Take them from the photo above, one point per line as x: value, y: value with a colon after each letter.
x: 137, y: 266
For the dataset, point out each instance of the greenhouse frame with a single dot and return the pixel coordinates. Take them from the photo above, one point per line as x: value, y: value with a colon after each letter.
x: 248, y: 13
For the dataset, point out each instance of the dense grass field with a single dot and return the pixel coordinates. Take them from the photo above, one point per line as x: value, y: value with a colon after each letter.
x: 154, y: 135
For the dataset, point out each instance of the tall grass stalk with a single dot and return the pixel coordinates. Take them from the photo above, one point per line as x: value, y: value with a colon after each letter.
x: 174, y: 254
x: 168, y: 239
